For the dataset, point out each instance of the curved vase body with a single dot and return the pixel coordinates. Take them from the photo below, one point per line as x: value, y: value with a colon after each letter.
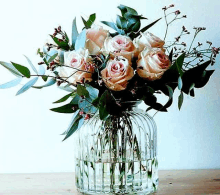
x: 118, y: 156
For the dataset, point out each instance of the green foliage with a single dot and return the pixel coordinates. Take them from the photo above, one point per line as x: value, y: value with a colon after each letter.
x: 11, y: 83
x: 82, y: 91
x: 27, y: 86
x: 81, y: 40
x: 68, y: 108
x: 22, y: 69
x: 103, y: 113
x: 180, y: 100
x: 63, y: 99
x: 74, y: 34
x: 178, y: 64
x: 50, y: 82
x: 61, y: 44
x: 11, y: 68
x: 146, y: 27
x: 90, y: 21
x: 32, y: 66
x: 196, y: 77
x: 52, y: 58
x: 73, y: 125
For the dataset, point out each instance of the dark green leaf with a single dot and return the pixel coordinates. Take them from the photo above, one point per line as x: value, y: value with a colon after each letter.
x: 11, y: 68
x: 32, y: 66
x: 178, y: 64
x: 62, y: 44
x: 147, y: 27
x: 68, y: 108
x: 91, y: 20
x: 121, y: 22
x: 44, y: 77
x: 204, y: 79
x: 27, y: 86
x: 82, y: 91
x: 136, y: 26
x: 63, y: 99
x: 81, y: 40
x: 180, y: 100
x: 171, y: 56
x: 124, y: 9
x: 11, y: 83
x: 74, y: 33
x: 22, y: 69
x: 195, y: 76
x: 102, y: 105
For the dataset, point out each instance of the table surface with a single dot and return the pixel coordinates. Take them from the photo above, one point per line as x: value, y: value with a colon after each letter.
x: 180, y: 182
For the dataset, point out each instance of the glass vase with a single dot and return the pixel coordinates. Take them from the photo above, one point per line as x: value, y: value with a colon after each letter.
x: 117, y: 155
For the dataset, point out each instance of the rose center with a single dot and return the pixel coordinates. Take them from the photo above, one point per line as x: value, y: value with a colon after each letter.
x: 117, y: 67
x: 120, y: 42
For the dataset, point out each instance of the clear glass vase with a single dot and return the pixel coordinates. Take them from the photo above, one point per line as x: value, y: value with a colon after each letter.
x: 118, y: 155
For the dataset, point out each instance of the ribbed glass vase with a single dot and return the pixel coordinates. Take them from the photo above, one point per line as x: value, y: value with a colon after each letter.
x: 118, y: 155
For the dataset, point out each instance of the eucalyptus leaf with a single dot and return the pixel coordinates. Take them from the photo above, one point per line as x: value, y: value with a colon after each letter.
x: 75, y: 117
x: 22, y: 69
x: 52, y: 58
x: 11, y: 83
x: 11, y: 68
x: 73, y: 125
x: 110, y: 24
x: 81, y: 40
x: 74, y: 33
x: 31, y: 64
x: 27, y: 86
x: 66, y: 88
x: 50, y: 82
x: 180, y: 83
x: 41, y: 70
x: 93, y: 92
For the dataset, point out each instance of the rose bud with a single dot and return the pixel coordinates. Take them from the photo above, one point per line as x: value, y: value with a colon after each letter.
x: 117, y: 73
x: 152, y: 64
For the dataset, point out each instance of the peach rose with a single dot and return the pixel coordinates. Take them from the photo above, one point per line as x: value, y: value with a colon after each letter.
x: 147, y: 39
x: 117, y: 73
x: 152, y: 63
x: 95, y: 39
x: 120, y: 45
x: 77, y: 66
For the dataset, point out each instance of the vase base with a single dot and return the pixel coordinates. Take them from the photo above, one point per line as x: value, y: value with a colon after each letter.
x: 144, y: 192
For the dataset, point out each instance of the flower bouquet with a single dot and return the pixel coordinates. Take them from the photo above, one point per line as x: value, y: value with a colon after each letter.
x: 107, y: 74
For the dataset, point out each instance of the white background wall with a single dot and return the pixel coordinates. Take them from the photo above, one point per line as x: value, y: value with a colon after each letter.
x: 30, y: 139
